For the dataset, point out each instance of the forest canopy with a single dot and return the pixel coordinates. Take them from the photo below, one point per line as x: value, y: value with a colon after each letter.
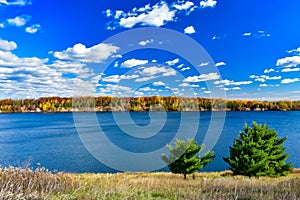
x: 152, y: 103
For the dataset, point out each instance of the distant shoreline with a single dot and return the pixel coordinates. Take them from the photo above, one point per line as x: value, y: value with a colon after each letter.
x: 83, y: 111
x: 140, y: 104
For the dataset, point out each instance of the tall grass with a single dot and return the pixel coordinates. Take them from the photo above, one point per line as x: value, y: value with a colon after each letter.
x: 20, y: 183
x: 171, y: 186
x: 26, y: 183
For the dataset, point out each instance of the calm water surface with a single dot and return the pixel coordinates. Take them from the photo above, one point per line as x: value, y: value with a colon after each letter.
x: 52, y: 139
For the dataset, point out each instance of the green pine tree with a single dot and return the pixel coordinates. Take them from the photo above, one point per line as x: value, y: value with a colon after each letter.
x: 184, y: 159
x: 258, y: 151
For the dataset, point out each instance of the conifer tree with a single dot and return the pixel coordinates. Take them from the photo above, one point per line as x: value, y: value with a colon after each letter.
x: 184, y: 158
x: 258, y: 151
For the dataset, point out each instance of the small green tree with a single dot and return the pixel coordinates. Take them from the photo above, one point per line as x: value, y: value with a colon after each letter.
x: 258, y: 151
x: 184, y: 157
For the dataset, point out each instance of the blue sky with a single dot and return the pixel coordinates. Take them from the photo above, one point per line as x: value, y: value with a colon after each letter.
x: 50, y: 48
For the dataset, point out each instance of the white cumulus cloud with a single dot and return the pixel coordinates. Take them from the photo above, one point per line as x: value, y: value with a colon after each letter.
x: 17, y: 21
x: 247, y: 34
x: 117, y: 78
x: 236, y: 88
x: 112, y: 87
x: 188, y: 85
x: 172, y: 62
x: 186, y: 6
x: 108, y: 13
x: 266, y: 71
x: 159, y: 83
x: 145, y: 42
x: 118, y: 14
x: 8, y: 59
x: 33, y: 29
x: 207, y: 92
x: 157, y: 16
x: 219, y: 64
x: 180, y: 66
x: 144, y: 79
x: 234, y: 83
x: 153, y: 15
x: 68, y: 67
x: 146, y: 89
x: 133, y: 62
x: 263, y: 85
x: 263, y: 78
x: 288, y: 61
x: 204, y: 64
x: 208, y: 3
x: 189, y: 30
x: 185, y: 69
x: 81, y: 53
x: 288, y: 80
x: 202, y: 77
x: 290, y: 70
x: 154, y: 71
x: 14, y: 3
x: 295, y: 51
x: 7, y: 45
x: 31, y: 77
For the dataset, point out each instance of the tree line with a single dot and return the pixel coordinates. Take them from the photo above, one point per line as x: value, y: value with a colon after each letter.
x: 155, y: 103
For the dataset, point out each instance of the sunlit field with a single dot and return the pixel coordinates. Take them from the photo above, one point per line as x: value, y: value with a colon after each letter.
x: 18, y: 183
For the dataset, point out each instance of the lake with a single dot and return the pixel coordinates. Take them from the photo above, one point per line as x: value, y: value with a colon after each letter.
x: 53, y: 140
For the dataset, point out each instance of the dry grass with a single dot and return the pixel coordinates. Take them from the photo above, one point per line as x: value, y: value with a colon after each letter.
x: 170, y: 186
x: 18, y: 183
x: 25, y: 183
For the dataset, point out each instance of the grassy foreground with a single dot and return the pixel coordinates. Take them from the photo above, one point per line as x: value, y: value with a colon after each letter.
x: 18, y: 183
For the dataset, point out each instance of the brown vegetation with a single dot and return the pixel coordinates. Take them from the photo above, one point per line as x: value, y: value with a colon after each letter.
x: 18, y: 183
x: 25, y: 183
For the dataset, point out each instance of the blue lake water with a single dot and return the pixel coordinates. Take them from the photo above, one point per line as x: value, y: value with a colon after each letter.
x: 52, y: 139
